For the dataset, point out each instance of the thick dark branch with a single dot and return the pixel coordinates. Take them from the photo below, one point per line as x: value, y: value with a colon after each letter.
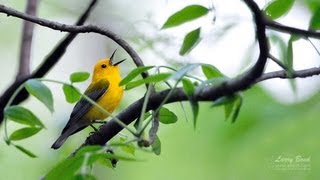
x: 284, y: 75
x: 109, y: 130
x: 292, y: 30
x: 27, y: 34
x: 47, y: 64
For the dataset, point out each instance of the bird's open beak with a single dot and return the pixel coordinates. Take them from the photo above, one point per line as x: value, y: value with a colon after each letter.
x: 111, y: 58
x: 119, y: 62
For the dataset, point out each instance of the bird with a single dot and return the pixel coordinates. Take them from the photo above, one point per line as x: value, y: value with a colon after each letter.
x: 104, y: 90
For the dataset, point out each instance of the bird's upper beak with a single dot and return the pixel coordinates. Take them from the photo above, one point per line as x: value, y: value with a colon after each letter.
x: 111, y: 58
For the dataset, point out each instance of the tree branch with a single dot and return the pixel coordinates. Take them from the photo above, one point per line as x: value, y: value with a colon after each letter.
x: 47, y: 64
x: 292, y: 30
x: 295, y: 74
x: 208, y: 93
x: 27, y: 33
x: 77, y: 29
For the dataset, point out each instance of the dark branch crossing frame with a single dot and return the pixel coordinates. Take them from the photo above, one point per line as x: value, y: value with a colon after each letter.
x: 107, y: 131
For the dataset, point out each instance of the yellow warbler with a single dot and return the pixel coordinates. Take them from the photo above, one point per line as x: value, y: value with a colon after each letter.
x: 104, y: 89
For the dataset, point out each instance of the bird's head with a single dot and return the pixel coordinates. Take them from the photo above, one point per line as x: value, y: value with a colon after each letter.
x: 106, y: 68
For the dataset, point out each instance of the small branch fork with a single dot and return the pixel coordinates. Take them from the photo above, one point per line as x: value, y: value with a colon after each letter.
x: 243, y: 82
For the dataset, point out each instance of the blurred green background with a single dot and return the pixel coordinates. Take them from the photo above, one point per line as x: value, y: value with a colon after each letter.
x: 268, y: 134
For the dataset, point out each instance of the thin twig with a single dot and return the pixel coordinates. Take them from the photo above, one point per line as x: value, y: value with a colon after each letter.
x: 26, y: 42
x: 314, y: 46
x: 77, y: 29
x: 295, y: 74
x: 292, y: 30
x: 277, y: 61
x: 47, y: 64
x: 208, y: 93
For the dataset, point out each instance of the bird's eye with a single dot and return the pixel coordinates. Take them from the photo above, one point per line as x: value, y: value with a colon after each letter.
x: 103, y: 66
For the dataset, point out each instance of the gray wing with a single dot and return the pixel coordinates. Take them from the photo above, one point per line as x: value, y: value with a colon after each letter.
x: 82, y: 107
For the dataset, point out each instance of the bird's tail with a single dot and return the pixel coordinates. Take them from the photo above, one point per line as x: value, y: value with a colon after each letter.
x: 58, y: 143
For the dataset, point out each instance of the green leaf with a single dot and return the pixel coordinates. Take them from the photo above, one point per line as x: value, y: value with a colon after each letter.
x: 103, y: 155
x: 189, y: 89
x: 315, y: 20
x: 71, y: 94
x: 41, y: 92
x: 156, y: 146
x: 25, y: 151
x: 195, y: 111
x: 223, y: 101
x: 278, y: 8
x: 88, y: 149
x: 133, y: 74
x: 84, y: 177
x: 24, y: 133
x: 22, y: 115
x: 210, y: 71
x: 183, y: 71
x: 150, y: 79
x: 289, y: 64
x: 232, y: 105
x: 228, y: 108
x: 188, y: 86
x: 186, y: 14
x: 190, y: 41
x: 79, y: 76
x: 237, y: 106
x: 166, y: 116
x: 129, y: 148
x: 66, y: 169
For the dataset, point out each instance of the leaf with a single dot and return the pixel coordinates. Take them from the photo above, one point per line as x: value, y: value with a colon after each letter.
x: 188, y: 86
x: 232, y: 105
x: 129, y: 148
x: 314, y: 23
x: 71, y: 94
x: 186, y: 14
x: 289, y: 64
x: 88, y: 149
x: 223, y: 101
x: 84, y: 177
x: 41, y: 92
x: 190, y: 41
x: 79, y: 76
x: 189, y: 89
x: 22, y: 115
x: 278, y: 8
x: 24, y: 133
x: 228, y: 109
x: 166, y: 116
x: 237, y: 104
x: 25, y: 151
x: 150, y: 79
x: 156, y: 146
x: 183, y: 71
x: 195, y: 111
x: 66, y: 169
x: 210, y: 71
x: 133, y: 74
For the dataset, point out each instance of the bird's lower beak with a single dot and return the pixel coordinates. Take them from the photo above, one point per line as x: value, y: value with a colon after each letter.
x: 119, y: 62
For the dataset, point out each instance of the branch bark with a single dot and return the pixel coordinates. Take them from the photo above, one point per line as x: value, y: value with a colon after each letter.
x: 244, y: 81
x: 47, y: 64
x: 292, y: 30
x: 27, y: 34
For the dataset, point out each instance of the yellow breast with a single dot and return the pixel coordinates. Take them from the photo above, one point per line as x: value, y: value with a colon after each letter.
x: 109, y: 101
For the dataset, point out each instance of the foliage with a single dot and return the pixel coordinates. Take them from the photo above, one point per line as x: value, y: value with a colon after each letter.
x: 80, y: 164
